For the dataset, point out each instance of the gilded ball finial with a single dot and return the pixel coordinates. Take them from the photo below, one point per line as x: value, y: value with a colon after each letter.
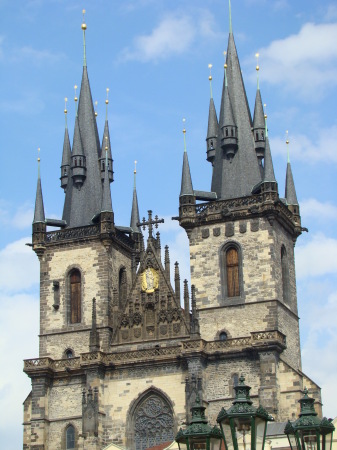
x: 184, y: 130
x: 107, y: 96
x: 224, y: 54
x: 96, y: 103
x: 65, y: 105
x: 38, y: 153
x: 265, y: 112
x: 287, y: 138
x: 257, y: 61
x: 210, y: 72
x: 135, y: 170
x: 75, y: 98
x: 84, y: 26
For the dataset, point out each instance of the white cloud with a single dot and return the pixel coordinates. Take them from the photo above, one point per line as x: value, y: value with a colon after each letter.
x: 174, y: 35
x: 21, y: 218
x: 313, y: 209
x: 312, y: 151
x: 304, y: 63
x: 19, y: 267
x: 331, y: 12
x: 35, y: 56
x: 317, y: 258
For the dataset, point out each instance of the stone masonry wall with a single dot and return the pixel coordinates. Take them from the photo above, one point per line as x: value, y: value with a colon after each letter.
x: 99, y: 275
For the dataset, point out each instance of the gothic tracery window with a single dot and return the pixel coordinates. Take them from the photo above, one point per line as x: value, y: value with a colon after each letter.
x: 75, y: 296
x: 153, y: 422
x: 70, y: 438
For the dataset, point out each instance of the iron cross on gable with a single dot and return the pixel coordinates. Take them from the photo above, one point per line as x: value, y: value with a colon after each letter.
x: 150, y: 222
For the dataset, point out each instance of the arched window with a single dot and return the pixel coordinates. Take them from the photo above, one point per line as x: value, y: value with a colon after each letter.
x: 153, y: 422
x: 223, y: 336
x: 70, y: 438
x: 69, y: 353
x: 232, y: 271
x: 122, y: 286
x: 285, y: 274
x: 75, y: 296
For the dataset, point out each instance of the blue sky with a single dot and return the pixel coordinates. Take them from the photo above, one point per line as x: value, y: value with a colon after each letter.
x: 154, y: 55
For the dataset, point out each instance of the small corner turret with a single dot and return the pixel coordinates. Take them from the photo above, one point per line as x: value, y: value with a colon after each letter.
x: 259, y: 120
x: 66, y: 154
x: 39, y: 222
x: 106, y: 146
x: 212, y: 130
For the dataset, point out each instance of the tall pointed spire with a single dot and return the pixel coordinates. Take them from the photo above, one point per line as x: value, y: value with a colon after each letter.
x: 235, y: 173
x: 268, y: 173
x: 186, y: 179
x: 66, y: 154
x: 135, y: 210
x: 212, y: 130
x: 39, y: 208
x: 106, y: 145
x: 290, y: 192
x: 106, y: 196
x: 82, y: 202
x: 258, y: 122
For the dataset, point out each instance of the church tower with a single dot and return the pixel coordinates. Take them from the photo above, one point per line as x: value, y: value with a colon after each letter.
x: 124, y: 353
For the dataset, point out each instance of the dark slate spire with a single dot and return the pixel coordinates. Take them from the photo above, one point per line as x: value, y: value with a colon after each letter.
x: 227, y: 125
x: 268, y: 172
x: 106, y: 145
x: 135, y: 210
x: 237, y: 176
x: 186, y: 180
x: 106, y: 195
x: 78, y: 165
x: 39, y: 208
x: 212, y: 130
x: 290, y: 193
x: 81, y: 205
x: 258, y: 126
x: 66, y: 155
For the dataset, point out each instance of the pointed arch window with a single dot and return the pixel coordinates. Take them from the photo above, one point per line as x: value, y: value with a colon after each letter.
x: 75, y: 296
x: 70, y: 438
x: 122, y: 286
x: 232, y: 270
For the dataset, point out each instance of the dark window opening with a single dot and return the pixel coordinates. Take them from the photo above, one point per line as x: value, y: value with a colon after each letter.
x: 69, y: 354
x: 223, y: 336
x: 70, y: 438
x: 75, y: 296
x: 122, y: 286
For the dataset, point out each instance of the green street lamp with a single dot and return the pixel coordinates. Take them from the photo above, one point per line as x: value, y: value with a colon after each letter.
x: 309, y: 432
x: 243, y: 426
x: 199, y: 435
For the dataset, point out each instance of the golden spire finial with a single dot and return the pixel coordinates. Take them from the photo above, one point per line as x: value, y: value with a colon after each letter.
x: 65, y: 110
x: 184, y: 131
x: 224, y: 54
x: 257, y: 68
x: 38, y: 155
x: 265, y: 110
x: 106, y: 103
x: 96, y: 113
x: 75, y: 88
x: 287, y: 142
x: 135, y: 171
x: 210, y: 78
x: 84, y: 26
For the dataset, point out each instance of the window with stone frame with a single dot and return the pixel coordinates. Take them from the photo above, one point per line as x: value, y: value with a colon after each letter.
x: 75, y: 296
x: 232, y: 272
x: 153, y: 422
x: 122, y: 286
x: 285, y: 274
x: 70, y: 437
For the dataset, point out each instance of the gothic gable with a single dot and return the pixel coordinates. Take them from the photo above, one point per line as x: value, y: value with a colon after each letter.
x: 152, y: 310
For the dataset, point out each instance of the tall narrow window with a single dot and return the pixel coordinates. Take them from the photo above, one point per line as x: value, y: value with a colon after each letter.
x: 70, y: 437
x: 232, y: 270
x: 285, y: 274
x: 75, y: 296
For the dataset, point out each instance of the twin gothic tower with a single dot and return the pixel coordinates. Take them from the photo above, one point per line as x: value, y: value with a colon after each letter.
x: 123, y: 352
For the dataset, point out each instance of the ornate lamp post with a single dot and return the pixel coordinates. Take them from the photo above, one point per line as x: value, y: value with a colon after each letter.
x: 199, y: 435
x: 309, y: 432
x: 243, y: 426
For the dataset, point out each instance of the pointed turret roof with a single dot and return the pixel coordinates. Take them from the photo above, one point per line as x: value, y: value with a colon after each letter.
x: 226, y: 112
x: 290, y: 193
x: 77, y: 141
x: 237, y: 176
x: 212, y: 130
x: 66, y: 154
x: 81, y: 205
x: 106, y: 140
x: 39, y: 208
x: 135, y: 210
x: 106, y: 195
x: 186, y: 179
x: 268, y: 173
x: 258, y: 121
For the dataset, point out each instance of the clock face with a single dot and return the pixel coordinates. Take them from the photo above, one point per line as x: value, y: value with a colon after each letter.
x: 150, y: 280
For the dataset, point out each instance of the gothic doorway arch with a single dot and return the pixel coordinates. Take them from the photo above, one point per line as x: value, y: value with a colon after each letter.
x: 152, y: 421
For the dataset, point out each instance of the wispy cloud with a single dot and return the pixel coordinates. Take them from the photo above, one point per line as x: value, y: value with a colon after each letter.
x: 20, y: 218
x: 314, y: 209
x: 304, y: 63
x: 317, y: 258
x: 310, y: 151
x: 174, y: 35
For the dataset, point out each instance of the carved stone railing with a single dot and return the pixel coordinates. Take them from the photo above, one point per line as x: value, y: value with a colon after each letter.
x: 224, y: 206
x: 256, y: 339
x: 124, y: 239
x: 72, y: 233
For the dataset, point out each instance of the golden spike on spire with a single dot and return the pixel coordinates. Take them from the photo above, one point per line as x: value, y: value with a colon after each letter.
x: 106, y: 103
x: 96, y: 113
x: 265, y: 110
x: 135, y: 171
x: 224, y: 54
x: 38, y: 162
x: 75, y: 98
x: 287, y: 142
x: 38, y: 155
x: 84, y: 27
x: 184, y: 131
x: 65, y: 110
x: 210, y: 78
x: 257, y: 69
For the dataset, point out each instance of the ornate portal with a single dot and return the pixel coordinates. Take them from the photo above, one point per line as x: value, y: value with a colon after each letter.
x: 150, y: 280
